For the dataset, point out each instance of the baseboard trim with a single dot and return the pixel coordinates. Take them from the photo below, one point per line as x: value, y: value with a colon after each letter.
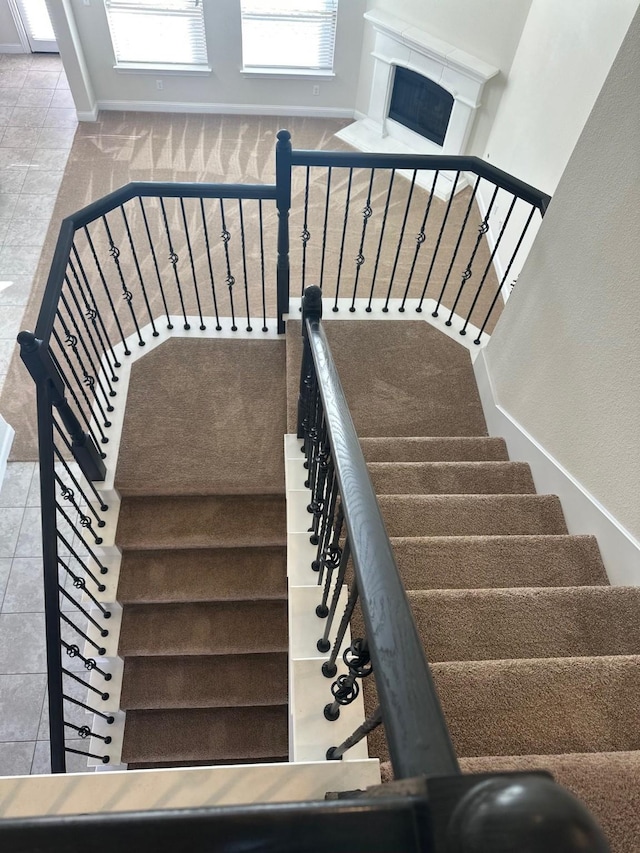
x: 12, y: 48
x: 6, y: 440
x: 228, y: 109
x: 88, y: 115
x: 583, y: 512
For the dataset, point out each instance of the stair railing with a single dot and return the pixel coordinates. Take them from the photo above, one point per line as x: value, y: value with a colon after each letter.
x: 147, y: 257
x: 437, y: 233
x: 487, y: 811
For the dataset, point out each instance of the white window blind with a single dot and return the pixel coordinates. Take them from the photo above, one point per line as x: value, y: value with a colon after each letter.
x: 289, y: 34
x: 165, y: 32
x: 38, y: 22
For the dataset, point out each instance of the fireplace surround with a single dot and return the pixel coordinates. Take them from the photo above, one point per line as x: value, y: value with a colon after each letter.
x: 398, y: 45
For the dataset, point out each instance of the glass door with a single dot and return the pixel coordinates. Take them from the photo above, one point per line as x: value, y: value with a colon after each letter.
x: 37, y: 23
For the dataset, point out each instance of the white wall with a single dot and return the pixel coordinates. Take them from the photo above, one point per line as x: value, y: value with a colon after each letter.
x: 225, y: 85
x: 563, y: 57
x: 9, y: 38
x: 488, y: 29
x: 565, y: 358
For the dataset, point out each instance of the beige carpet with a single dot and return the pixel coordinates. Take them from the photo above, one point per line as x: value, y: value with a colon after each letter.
x: 138, y: 147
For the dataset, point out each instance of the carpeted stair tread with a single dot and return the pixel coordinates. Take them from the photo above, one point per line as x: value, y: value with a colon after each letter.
x: 435, y: 449
x: 420, y: 382
x: 533, y: 706
x: 204, y: 681
x: 201, y: 574
x: 483, y: 624
x: 201, y: 522
x: 469, y: 562
x: 206, y: 734
x: 608, y: 783
x: 225, y: 627
x: 452, y: 478
x: 471, y: 515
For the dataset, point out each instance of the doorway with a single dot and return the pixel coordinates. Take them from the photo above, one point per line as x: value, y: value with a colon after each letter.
x: 34, y: 17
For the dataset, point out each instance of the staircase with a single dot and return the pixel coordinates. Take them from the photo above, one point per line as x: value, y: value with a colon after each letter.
x: 203, y: 574
x: 534, y: 655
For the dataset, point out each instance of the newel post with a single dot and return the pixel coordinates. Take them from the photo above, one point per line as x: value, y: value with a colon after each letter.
x: 283, y: 203
x: 311, y: 310
x: 43, y: 371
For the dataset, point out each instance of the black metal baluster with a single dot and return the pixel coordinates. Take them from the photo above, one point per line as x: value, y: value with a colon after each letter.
x: 335, y: 753
x: 400, y: 240
x: 104, y: 758
x: 496, y: 246
x: 85, y: 417
x: 103, y: 506
x: 323, y: 645
x: 443, y: 225
x: 506, y: 273
x: 344, y: 237
x: 85, y: 522
x: 318, y: 483
x: 264, y: 290
x: 193, y: 266
x: 101, y: 693
x: 108, y: 718
x: 209, y: 261
x: 315, y: 475
x: 90, y: 379
x: 103, y: 631
x: 244, y: 265
x: 305, y: 236
x: 383, y: 228
x: 345, y: 689
x: 457, y: 246
x: 468, y: 272
x: 341, y: 557
x: 331, y: 561
x: 70, y: 494
x: 367, y: 213
x: 225, y: 236
x: 326, y: 223
x: 74, y: 554
x: 155, y: 262
x: 138, y: 270
x: 127, y: 351
x: 173, y: 259
x: 87, y: 380
x: 85, y: 732
x: 80, y: 583
x: 90, y: 664
x: 330, y: 502
x: 100, y: 649
x: 92, y: 312
x: 114, y: 251
x: 420, y: 239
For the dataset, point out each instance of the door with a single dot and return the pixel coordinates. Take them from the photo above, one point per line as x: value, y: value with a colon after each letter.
x: 37, y: 24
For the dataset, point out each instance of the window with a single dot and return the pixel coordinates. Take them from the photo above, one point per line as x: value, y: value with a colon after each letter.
x: 289, y: 34
x: 158, y: 32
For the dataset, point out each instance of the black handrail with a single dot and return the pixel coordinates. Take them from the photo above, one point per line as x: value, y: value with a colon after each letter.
x: 428, y: 162
x: 416, y: 731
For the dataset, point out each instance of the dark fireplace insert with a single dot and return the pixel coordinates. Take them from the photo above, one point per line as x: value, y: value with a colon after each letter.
x: 420, y: 104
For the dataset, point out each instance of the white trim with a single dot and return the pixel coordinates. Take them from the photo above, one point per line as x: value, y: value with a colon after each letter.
x: 226, y: 109
x: 6, y: 440
x: 20, y: 27
x: 285, y: 73
x: 583, y: 512
x: 159, y: 68
x: 88, y: 115
x: 13, y: 48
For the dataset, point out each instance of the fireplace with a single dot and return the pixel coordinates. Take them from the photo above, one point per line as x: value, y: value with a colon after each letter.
x: 434, y: 115
x: 420, y: 104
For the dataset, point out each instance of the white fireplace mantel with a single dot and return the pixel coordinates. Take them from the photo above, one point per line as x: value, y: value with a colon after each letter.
x: 398, y: 43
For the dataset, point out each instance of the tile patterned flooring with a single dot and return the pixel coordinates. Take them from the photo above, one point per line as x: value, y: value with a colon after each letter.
x: 37, y: 126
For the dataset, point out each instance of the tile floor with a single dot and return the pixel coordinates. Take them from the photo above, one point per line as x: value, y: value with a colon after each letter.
x: 37, y: 126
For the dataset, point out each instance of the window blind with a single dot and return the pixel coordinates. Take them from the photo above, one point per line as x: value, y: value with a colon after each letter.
x: 38, y: 21
x: 289, y: 33
x: 158, y: 31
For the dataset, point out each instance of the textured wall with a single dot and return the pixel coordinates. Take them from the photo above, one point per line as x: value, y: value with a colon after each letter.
x: 565, y: 358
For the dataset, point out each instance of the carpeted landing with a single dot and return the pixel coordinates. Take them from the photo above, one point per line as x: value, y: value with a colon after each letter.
x: 534, y: 655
